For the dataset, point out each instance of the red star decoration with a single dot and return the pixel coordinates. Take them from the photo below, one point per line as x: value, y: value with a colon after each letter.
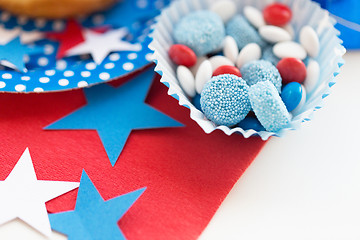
x: 187, y: 173
x: 67, y: 39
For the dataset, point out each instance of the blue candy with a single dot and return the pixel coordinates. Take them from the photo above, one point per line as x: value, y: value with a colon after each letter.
x: 196, y: 101
x: 268, y: 55
x: 202, y: 31
x: 268, y: 106
x: 251, y: 123
x: 259, y: 71
x: 291, y: 95
x: 225, y: 99
x: 243, y: 33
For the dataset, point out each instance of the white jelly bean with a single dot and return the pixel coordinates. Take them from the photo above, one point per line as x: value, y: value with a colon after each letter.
x: 250, y: 52
x: 290, y: 29
x: 203, y: 75
x: 186, y: 80
x: 310, y: 41
x: 199, y: 61
x: 231, y: 49
x: 217, y: 61
x: 312, y: 75
x: 274, y: 34
x: 289, y: 49
x: 296, y: 111
x: 226, y: 9
x: 254, y: 16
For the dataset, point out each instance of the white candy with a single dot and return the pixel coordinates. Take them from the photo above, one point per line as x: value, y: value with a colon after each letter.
x: 289, y: 28
x: 231, y: 49
x: 254, y: 16
x: 186, y: 80
x: 199, y: 61
x: 274, y: 34
x: 289, y: 49
x: 250, y: 52
x: 312, y: 75
x: 226, y: 9
x: 203, y: 75
x: 310, y: 41
x: 217, y: 61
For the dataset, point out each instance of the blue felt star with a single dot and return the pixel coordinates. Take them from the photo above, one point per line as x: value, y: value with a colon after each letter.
x: 114, y: 112
x: 93, y: 218
x: 125, y: 13
x: 14, y: 52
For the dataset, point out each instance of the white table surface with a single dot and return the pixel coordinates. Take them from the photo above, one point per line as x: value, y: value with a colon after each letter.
x: 304, y: 186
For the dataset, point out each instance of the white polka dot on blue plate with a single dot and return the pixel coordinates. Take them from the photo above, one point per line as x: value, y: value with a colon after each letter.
x: 85, y: 74
x: 43, y: 61
x: 6, y: 76
x: 90, y: 66
x: 128, y: 66
x: 2, y: 84
x: 20, y: 87
x: 63, y: 82
x: 104, y: 76
x: 82, y: 84
x: 44, y: 79
x: 68, y: 73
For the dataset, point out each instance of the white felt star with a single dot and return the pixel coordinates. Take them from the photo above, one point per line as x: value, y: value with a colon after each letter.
x: 24, y: 197
x: 99, y: 45
x: 26, y: 37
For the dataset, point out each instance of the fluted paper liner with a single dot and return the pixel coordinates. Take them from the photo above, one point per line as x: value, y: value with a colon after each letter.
x: 304, y: 12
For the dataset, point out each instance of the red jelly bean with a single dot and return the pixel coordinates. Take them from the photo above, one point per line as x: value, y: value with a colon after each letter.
x: 182, y: 55
x: 227, y: 69
x: 291, y: 70
x: 277, y: 14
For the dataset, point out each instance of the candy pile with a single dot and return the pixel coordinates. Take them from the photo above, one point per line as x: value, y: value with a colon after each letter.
x: 250, y: 70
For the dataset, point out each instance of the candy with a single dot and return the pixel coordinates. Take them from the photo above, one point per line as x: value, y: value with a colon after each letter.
x: 268, y: 106
x: 250, y: 52
x: 243, y: 32
x: 274, y: 34
x: 186, y: 80
x: 289, y: 28
x: 310, y: 41
x: 202, y: 31
x: 203, y: 75
x: 312, y: 75
x: 217, y: 61
x: 289, y: 49
x: 225, y: 100
x: 259, y: 71
x: 182, y: 55
x: 226, y: 9
x: 291, y: 70
x: 231, y: 49
x: 196, y: 101
x: 268, y: 55
x: 226, y: 69
x: 277, y: 14
x: 291, y: 95
x: 254, y: 16
x: 251, y: 123
x: 199, y: 61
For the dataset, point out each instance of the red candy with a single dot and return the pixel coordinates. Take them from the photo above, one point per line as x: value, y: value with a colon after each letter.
x: 291, y: 70
x: 277, y: 14
x: 182, y: 55
x: 227, y: 69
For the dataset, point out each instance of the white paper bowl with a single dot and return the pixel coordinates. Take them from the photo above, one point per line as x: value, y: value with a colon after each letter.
x: 304, y: 12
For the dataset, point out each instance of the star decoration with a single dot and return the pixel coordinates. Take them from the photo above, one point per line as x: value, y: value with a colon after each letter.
x: 67, y: 39
x: 114, y: 113
x: 94, y: 218
x: 26, y: 37
x: 100, y: 45
x: 24, y: 197
x: 123, y: 14
x: 12, y: 54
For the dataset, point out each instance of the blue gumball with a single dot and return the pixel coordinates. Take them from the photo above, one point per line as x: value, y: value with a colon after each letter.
x: 292, y: 95
x: 251, y: 123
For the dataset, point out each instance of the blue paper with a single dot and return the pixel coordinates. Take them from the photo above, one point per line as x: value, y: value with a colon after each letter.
x: 48, y: 74
x: 93, y: 218
x: 115, y: 112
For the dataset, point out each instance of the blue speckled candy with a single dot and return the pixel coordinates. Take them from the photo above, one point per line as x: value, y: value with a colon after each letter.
x: 291, y: 95
x: 196, y: 101
x: 268, y: 106
x: 268, y: 55
x: 259, y: 71
x: 202, y: 31
x: 243, y: 33
x: 225, y: 100
x: 251, y: 123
